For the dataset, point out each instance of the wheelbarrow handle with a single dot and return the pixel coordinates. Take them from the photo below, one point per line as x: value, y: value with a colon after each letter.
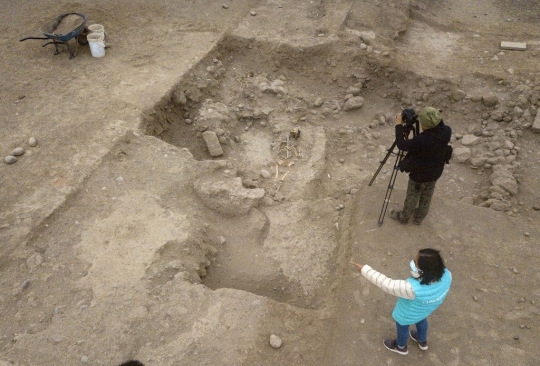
x: 52, y: 42
x: 24, y: 39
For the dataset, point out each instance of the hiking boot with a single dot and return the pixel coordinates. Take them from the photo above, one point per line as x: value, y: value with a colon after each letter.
x: 414, y: 336
x: 398, y: 216
x: 391, y: 345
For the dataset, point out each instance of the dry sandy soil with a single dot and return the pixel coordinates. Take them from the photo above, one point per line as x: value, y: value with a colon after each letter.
x: 123, y: 238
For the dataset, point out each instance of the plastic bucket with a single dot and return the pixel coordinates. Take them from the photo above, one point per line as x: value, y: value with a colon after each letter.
x: 96, y: 28
x: 97, y: 44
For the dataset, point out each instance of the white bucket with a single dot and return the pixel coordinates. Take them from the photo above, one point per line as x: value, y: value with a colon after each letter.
x: 97, y: 44
x: 96, y: 28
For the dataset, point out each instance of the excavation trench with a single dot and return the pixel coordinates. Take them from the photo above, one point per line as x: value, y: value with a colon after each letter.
x: 285, y: 248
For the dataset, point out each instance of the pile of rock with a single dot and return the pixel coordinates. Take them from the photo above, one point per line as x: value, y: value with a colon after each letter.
x: 494, y: 145
x: 19, y: 151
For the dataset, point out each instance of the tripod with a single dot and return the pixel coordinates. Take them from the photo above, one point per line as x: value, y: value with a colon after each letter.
x: 399, y: 156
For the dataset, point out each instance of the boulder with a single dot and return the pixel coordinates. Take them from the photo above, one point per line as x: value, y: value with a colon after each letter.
x: 354, y: 103
x: 469, y: 140
x: 227, y: 195
x: 503, y: 178
x: 462, y: 154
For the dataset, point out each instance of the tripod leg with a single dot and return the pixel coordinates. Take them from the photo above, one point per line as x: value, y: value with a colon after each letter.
x: 390, y: 188
x: 383, y: 161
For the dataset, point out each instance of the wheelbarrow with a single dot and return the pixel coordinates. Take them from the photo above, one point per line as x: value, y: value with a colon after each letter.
x: 51, y: 30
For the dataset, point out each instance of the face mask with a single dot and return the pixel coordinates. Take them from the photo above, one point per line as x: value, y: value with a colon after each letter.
x: 414, y: 271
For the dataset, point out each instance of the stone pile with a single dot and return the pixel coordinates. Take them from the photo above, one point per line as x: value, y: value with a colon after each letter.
x: 494, y: 145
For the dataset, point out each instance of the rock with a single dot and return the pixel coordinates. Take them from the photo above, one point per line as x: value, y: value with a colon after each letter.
x: 497, y: 115
x: 367, y: 36
x: 268, y: 201
x: 276, y: 87
x: 354, y: 103
x: 476, y: 98
x: 498, y: 205
x: 275, y: 341
x: 318, y: 102
x: 18, y: 151
x: 278, y: 197
x: 10, y: 159
x: 212, y: 142
x: 178, y: 97
x: 502, y: 177
x: 266, y: 174
x: 536, y: 126
x: 508, y: 144
x: 478, y: 161
x: 459, y: 95
x: 194, y: 95
x: 469, y: 140
x: 462, y: 154
x: 493, y: 145
x: 490, y: 100
x: 227, y: 195
x: 32, y: 142
x: 353, y: 90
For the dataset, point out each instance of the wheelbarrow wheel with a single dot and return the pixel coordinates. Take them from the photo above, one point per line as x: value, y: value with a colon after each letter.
x: 82, y: 39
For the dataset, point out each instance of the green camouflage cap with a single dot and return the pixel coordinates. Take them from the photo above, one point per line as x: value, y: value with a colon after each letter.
x: 429, y: 117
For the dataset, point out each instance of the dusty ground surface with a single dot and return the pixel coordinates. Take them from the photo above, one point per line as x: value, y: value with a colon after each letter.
x: 122, y: 238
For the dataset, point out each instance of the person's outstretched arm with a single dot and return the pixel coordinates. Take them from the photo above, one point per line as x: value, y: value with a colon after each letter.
x: 399, y: 288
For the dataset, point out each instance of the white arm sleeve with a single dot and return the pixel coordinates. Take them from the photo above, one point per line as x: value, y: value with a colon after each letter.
x: 399, y: 288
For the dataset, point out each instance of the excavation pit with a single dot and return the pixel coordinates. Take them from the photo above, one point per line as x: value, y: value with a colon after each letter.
x: 270, y: 129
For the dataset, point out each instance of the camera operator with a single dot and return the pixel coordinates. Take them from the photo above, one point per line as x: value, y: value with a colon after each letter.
x: 427, y: 154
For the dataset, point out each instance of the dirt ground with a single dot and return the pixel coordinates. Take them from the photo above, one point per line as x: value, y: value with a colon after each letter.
x: 122, y: 237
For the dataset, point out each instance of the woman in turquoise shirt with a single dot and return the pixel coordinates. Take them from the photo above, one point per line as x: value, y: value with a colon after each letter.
x: 418, y: 296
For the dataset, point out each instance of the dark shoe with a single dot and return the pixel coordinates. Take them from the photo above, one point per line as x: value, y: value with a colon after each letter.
x: 417, y: 221
x: 414, y: 336
x: 398, y: 216
x: 391, y: 345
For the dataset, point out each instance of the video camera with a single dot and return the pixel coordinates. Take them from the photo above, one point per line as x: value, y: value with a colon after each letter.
x: 410, y: 121
x: 409, y: 117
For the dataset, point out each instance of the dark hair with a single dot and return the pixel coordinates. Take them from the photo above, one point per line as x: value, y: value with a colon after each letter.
x: 431, y: 264
x: 132, y: 363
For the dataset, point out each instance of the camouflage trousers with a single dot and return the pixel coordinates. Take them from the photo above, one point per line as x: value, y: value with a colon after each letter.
x: 417, y: 200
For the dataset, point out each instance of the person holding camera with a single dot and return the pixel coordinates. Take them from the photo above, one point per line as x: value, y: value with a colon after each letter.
x: 426, y: 156
x: 418, y: 296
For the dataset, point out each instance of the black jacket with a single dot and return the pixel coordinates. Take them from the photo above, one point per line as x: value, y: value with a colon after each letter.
x: 426, y: 151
